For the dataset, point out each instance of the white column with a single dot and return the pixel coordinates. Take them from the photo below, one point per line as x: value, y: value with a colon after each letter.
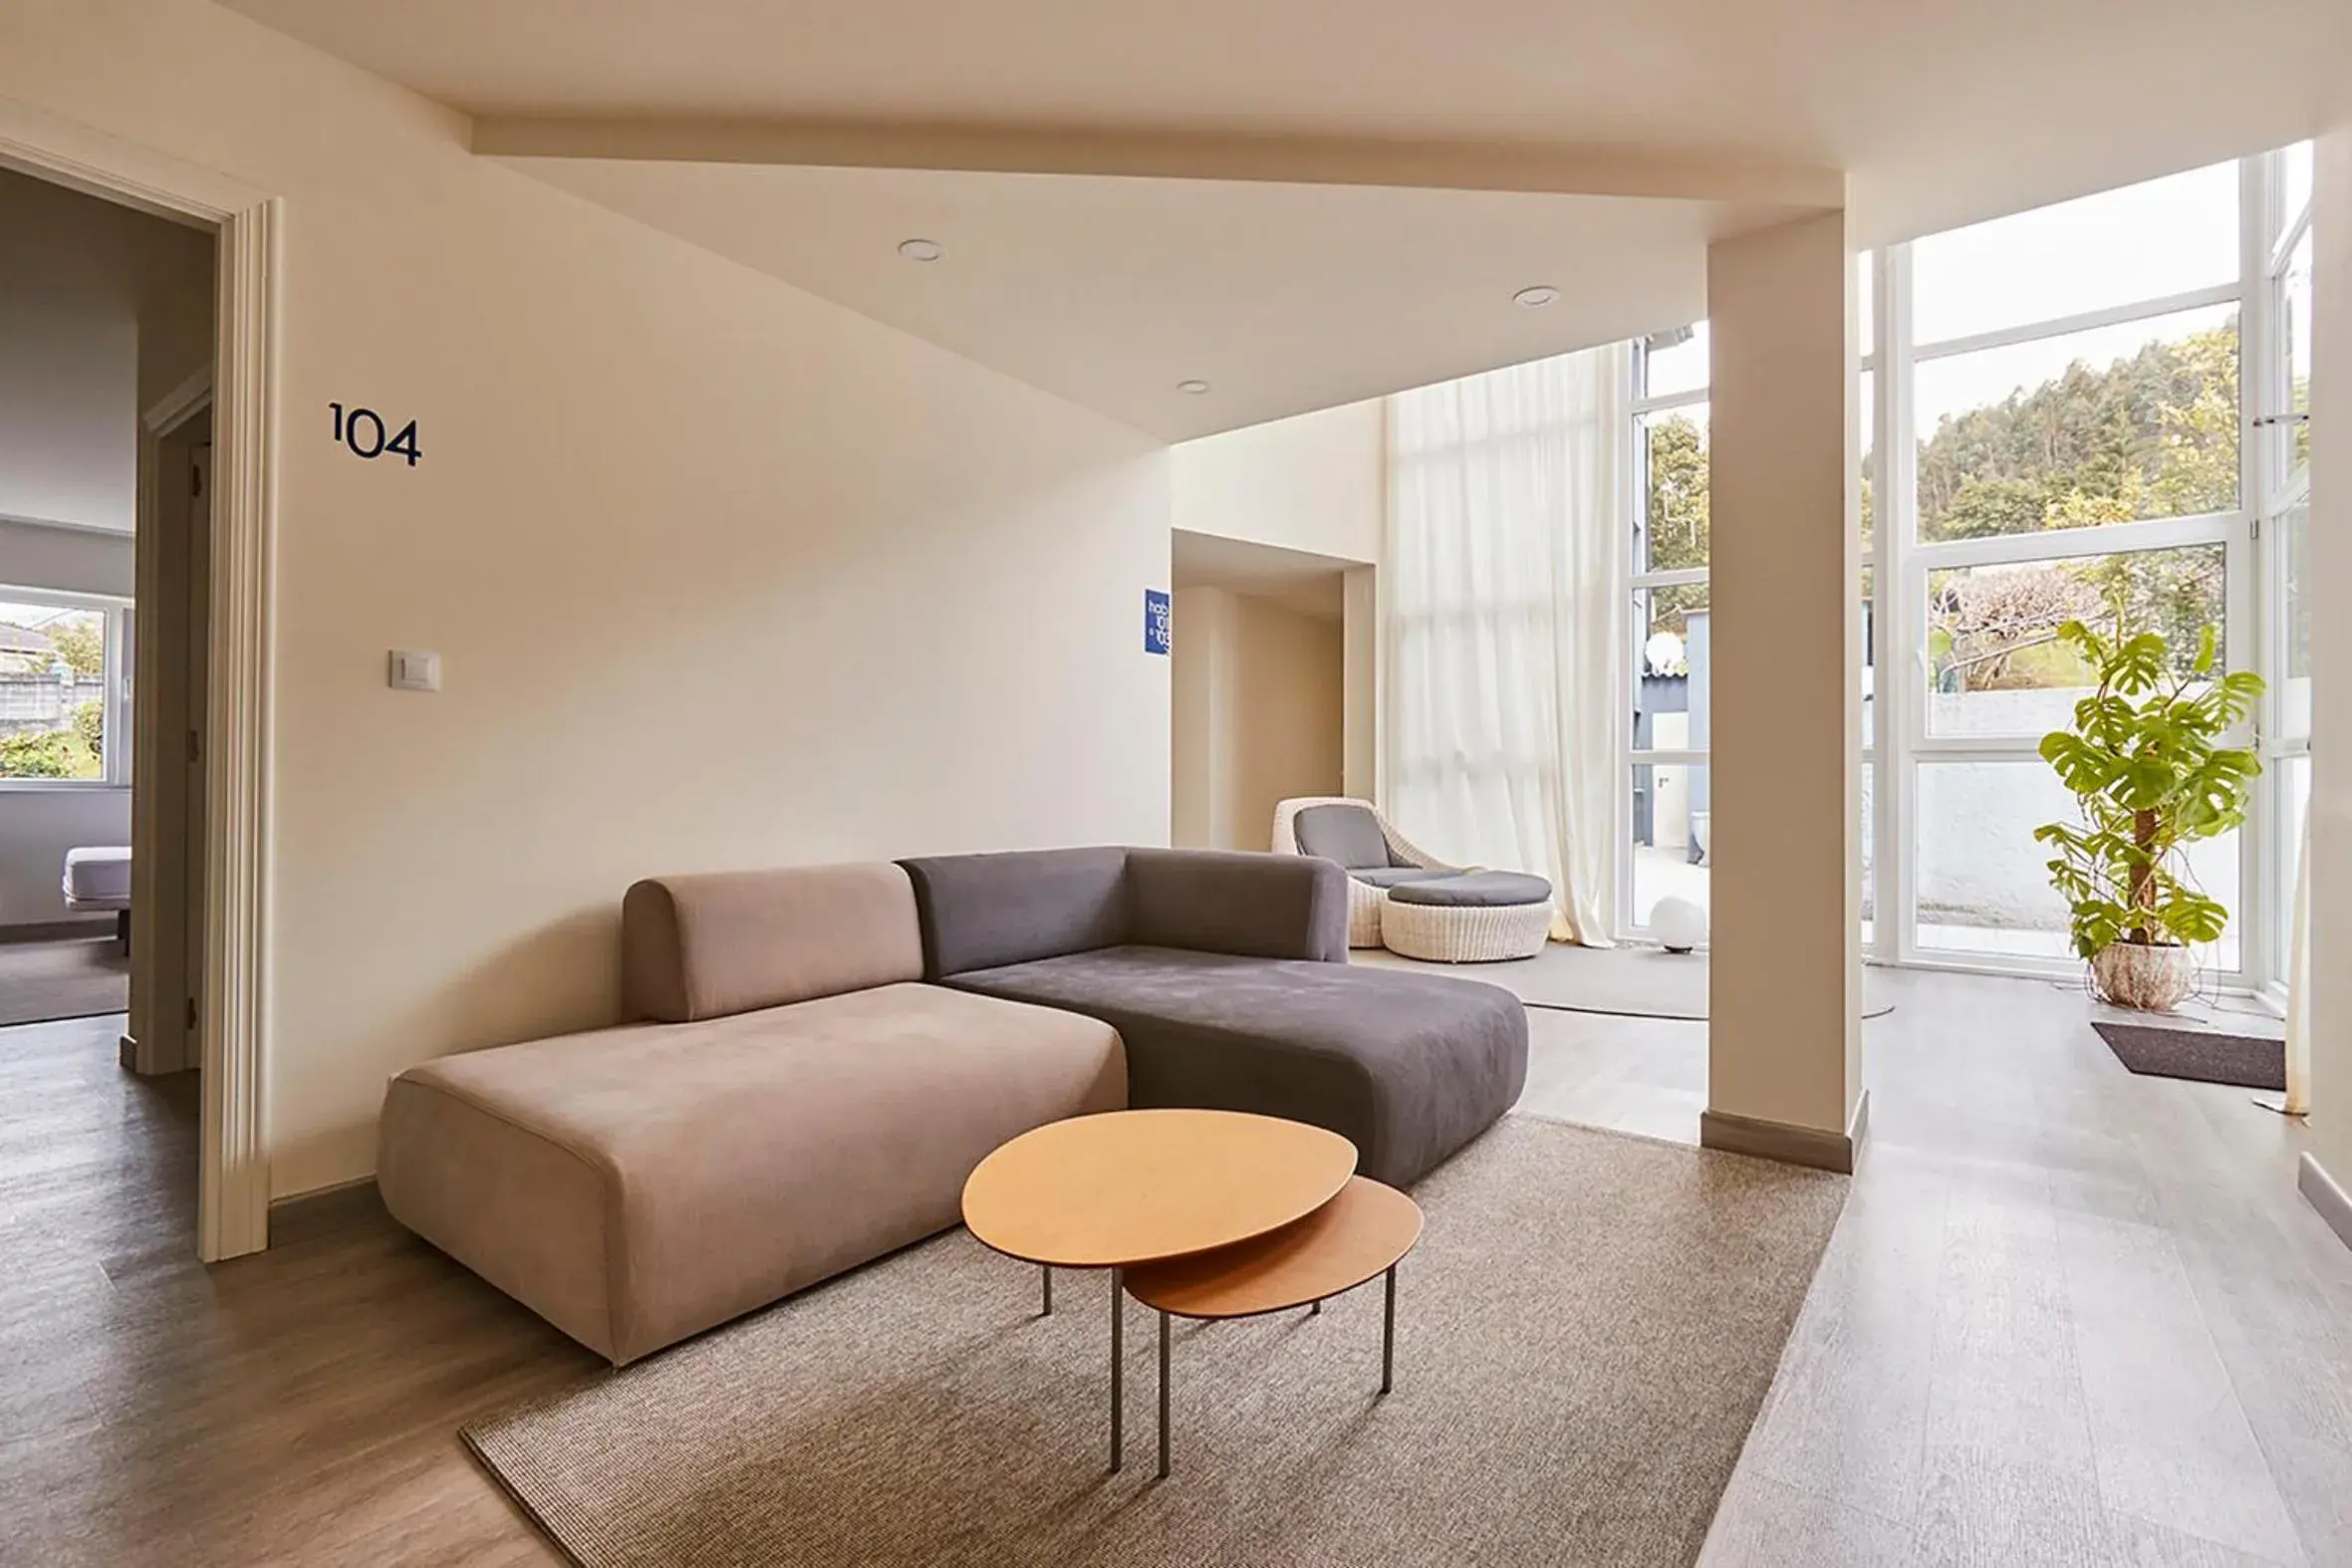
x: 2327, y: 587
x: 1784, y: 1032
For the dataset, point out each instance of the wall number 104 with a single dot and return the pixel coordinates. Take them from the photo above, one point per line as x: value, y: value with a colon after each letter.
x: 364, y: 432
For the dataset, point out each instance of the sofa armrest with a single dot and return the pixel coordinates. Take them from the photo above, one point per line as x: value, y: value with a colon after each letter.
x: 1251, y: 905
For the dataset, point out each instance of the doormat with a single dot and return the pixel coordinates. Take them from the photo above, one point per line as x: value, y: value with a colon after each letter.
x: 2209, y: 1055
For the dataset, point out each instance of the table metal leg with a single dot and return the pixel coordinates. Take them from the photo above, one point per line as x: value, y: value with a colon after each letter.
x: 1163, y: 1396
x: 1047, y: 1269
x: 1388, y: 1335
x: 1316, y: 1310
x: 1117, y: 1362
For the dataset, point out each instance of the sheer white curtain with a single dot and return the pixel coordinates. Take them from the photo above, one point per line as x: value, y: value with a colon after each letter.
x: 1502, y: 635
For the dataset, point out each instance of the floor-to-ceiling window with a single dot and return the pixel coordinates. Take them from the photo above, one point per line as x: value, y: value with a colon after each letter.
x: 2076, y: 413
x: 2282, y: 468
x: 1664, y: 801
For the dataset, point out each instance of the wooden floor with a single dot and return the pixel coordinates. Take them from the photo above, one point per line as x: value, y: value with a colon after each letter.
x: 2070, y: 1317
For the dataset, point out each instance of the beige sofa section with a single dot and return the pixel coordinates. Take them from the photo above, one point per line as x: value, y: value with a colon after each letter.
x: 639, y: 1184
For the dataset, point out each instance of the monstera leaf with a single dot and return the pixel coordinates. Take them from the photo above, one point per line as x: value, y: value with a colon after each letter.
x: 2150, y: 770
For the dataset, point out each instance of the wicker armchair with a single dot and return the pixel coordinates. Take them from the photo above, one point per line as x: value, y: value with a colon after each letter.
x: 1365, y: 900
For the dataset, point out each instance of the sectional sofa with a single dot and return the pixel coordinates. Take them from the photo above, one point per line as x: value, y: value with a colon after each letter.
x: 822, y: 1055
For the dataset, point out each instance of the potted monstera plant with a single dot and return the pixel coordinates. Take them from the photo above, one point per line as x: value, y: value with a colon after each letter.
x: 2147, y: 764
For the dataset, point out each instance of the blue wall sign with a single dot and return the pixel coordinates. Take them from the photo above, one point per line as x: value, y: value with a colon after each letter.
x: 1158, y: 621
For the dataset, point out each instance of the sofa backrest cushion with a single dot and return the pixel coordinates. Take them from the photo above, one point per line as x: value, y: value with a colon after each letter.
x: 1349, y: 835
x: 704, y: 947
x: 982, y: 911
x: 1257, y: 905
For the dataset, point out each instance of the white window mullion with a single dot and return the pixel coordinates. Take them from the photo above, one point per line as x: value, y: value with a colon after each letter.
x: 2081, y: 321
x: 1899, y: 608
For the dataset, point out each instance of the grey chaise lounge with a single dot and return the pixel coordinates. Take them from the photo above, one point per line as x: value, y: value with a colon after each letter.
x: 1227, y: 977
x: 798, y: 1095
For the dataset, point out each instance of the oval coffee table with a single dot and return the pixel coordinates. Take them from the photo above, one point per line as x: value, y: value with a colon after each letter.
x: 1364, y: 1231
x: 1127, y: 1188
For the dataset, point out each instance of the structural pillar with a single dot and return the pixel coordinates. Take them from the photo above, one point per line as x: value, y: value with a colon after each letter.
x: 1784, y: 1014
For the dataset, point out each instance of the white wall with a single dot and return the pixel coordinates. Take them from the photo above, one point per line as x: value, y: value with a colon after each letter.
x: 721, y: 574
x: 37, y: 827
x: 1316, y: 482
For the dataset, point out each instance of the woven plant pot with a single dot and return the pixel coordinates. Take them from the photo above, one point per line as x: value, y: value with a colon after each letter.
x: 2154, y: 980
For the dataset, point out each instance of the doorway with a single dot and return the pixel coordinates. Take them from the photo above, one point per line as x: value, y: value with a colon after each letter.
x: 1264, y: 690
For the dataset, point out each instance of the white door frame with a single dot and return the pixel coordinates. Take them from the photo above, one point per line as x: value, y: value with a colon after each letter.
x: 233, y: 1186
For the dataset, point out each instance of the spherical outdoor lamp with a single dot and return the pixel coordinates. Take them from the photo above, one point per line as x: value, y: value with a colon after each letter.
x: 1679, y: 924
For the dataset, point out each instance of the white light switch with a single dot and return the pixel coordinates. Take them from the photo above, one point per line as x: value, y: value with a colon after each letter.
x: 414, y: 670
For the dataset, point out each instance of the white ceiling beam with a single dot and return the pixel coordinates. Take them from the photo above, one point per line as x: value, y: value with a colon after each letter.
x: 1581, y: 171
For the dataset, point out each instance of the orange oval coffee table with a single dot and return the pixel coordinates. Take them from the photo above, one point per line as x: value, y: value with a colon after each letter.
x: 1364, y: 1231
x: 1127, y: 1188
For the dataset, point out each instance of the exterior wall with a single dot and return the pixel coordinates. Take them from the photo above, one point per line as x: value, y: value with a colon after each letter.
x: 907, y: 588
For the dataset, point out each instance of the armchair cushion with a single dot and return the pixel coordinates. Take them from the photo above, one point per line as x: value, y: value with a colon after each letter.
x: 1349, y: 835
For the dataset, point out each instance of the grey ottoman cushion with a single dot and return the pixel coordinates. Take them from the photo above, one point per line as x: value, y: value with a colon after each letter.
x: 1349, y: 835
x: 1477, y: 890
x: 1410, y: 1066
x: 1398, y: 875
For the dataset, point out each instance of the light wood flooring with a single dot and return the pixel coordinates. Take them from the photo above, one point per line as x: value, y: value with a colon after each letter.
x: 2070, y: 1317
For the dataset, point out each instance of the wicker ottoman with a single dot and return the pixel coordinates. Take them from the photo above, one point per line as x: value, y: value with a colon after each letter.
x: 1477, y: 917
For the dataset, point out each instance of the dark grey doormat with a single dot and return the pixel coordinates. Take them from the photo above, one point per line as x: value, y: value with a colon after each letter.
x: 2207, y: 1055
x: 1583, y: 1338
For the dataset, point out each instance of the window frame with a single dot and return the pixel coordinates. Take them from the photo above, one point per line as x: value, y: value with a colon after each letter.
x: 1633, y: 465
x: 115, y: 754
x: 2271, y: 421
x: 1901, y: 559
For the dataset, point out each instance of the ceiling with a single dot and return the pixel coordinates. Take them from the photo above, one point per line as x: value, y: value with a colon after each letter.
x: 1109, y: 292
x: 1309, y: 201
x: 1943, y: 112
x: 1312, y: 585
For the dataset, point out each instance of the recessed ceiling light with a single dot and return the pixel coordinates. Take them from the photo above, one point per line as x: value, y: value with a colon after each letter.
x: 1536, y: 297
x: 1195, y: 388
x: 922, y: 249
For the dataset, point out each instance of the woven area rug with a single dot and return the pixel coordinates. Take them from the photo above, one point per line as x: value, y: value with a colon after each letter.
x: 1583, y: 1338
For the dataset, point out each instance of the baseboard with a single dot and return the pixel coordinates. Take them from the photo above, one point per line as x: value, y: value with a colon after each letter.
x: 2320, y: 1190
x: 328, y: 1209
x: 1785, y: 1142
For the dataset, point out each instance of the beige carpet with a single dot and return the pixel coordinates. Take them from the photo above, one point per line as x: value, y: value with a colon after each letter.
x: 1623, y: 982
x: 1584, y: 1337
x: 77, y: 979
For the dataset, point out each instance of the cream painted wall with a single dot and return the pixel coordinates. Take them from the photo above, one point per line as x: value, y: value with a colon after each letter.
x: 1258, y: 715
x: 2328, y: 583
x: 1316, y: 482
x: 1784, y: 984
x: 1289, y: 714
x: 1200, y: 705
x: 721, y: 575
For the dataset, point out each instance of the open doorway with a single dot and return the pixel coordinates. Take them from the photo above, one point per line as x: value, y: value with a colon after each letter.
x: 107, y: 330
x: 1269, y: 697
